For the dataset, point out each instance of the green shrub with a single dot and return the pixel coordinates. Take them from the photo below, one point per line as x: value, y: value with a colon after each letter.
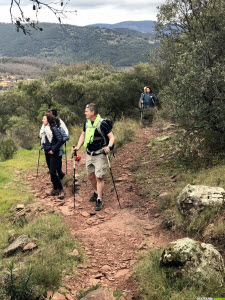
x: 7, y: 148
x: 22, y: 131
x: 20, y: 286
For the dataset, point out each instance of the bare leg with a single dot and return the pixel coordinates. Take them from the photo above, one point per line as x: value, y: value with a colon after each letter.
x: 92, y: 178
x: 100, y: 186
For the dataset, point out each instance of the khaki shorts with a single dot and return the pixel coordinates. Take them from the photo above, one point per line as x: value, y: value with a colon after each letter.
x: 97, y: 164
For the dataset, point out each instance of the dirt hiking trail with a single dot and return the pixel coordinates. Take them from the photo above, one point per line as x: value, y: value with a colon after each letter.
x: 112, y: 238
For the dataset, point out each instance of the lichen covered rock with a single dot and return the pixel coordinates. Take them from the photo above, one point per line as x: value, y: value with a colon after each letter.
x: 194, y: 260
x: 196, y: 197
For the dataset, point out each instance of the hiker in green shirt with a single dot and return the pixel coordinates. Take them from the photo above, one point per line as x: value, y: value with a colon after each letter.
x: 98, y: 139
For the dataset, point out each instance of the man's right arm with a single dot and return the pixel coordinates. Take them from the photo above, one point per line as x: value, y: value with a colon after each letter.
x: 81, y: 141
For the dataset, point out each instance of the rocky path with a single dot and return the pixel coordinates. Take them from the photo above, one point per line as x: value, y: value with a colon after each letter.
x: 114, y: 237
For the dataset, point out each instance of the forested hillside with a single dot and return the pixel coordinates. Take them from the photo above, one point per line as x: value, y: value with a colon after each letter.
x: 24, y: 67
x: 69, y: 44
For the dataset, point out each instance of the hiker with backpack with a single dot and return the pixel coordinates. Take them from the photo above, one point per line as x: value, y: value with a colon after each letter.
x: 51, y: 141
x: 148, y: 98
x: 141, y: 101
x: 98, y: 139
x: 64, y: 132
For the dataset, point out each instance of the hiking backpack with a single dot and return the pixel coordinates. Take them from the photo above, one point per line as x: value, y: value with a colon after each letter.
x: 64, y: 135
x: 105, y: 138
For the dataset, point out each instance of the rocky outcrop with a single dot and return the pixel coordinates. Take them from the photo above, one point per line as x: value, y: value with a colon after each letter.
x: 99, y: 294
x: 196, y: 197
x: 194, y: 260
x: 17, y: 245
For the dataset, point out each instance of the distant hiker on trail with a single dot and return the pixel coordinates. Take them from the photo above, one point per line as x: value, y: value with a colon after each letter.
x: 51, y: 142
x: 98, y: 139
x: 64, y: 129
x: 142, y: 95
x: 148, y: 98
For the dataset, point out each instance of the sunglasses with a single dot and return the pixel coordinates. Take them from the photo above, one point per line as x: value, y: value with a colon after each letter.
x: 88, y: 106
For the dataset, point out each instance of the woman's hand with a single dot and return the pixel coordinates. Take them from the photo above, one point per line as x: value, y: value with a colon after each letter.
x: 50, y: 152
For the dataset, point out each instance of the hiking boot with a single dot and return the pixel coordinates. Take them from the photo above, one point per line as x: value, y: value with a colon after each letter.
x: 98, y: 205
x: 53, y: 193
x: 94, y: 197
x: 61, y: 176
x: 61, y: 194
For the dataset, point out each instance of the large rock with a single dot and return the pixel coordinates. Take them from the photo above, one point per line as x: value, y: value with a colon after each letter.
x: 99, y: 294
x: 196, y: 197
x: 17, y: 245
x: 194, y: 260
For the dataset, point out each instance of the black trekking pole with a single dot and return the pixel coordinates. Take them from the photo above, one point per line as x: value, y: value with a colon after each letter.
x: 38, y: 161
x: 156, y: 108
x: 66, y: 158
x: 113, y: 179
x: 141, y: 112
x: 74, y: 159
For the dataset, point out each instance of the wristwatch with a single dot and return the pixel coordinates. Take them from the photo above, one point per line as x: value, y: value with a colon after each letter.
x: 110, y: 148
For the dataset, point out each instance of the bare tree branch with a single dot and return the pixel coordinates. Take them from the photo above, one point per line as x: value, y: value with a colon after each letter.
x: 25, y: 23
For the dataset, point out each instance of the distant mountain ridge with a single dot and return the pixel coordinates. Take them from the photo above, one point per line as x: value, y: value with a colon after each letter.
x: 141, y: 26
x: 70, y: 43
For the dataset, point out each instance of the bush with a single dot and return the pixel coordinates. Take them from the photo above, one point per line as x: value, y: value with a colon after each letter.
x: 18, y: 286
x: 7, y: 148
x: 22, y: 131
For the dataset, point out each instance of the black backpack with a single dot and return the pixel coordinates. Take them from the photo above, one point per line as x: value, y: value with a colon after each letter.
x: 105, y: 138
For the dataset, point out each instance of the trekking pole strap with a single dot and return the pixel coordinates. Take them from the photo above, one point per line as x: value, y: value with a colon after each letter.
x: 108, y: 161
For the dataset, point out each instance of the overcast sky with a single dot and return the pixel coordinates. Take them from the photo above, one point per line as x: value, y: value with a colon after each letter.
x: 91, y: 11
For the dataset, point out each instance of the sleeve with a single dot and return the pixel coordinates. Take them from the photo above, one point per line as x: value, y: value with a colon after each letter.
x: 59, y: 139
x: 84, y: 128
x: 142, y: 96
x: 154, y: 97
x: 63, y: 126
x: 41, y: 131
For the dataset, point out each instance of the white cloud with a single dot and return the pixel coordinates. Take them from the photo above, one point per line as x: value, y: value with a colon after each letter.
x: 90, y: 11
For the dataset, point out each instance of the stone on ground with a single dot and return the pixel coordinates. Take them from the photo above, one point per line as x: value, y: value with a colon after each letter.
x: 17, y: 245
x: 99, y: 294
x: 55, y: 296
x: 196, y: 197
x: 30, y: 246
x: 194, y: 260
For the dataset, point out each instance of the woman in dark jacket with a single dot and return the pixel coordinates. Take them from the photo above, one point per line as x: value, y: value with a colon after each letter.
x: 148, y: 98
x: 51, y: 142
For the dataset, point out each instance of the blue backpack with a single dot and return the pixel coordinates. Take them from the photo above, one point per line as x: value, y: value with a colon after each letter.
x: 64, y: 135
